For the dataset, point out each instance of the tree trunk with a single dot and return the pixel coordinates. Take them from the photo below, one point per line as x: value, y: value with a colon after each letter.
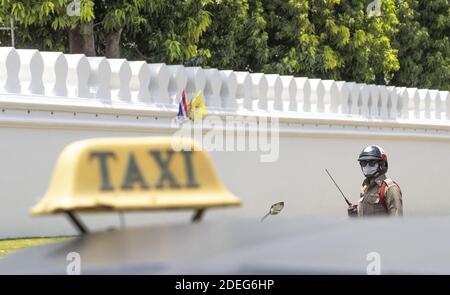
x: 81, y: 39
x: 87, y: 30
x: 75, y: 41
x: 112, y: 49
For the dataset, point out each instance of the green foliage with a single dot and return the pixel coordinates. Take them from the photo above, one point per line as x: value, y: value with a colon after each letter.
x: 406, y: 45
x: 172, y: 32
x: 333, y: 39
x: 236, y: 38
x: 423, y: 43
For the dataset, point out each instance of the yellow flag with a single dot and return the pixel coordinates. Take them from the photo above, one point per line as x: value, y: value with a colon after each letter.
x: 197, y: 108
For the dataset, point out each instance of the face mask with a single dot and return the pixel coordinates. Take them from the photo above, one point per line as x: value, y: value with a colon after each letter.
x: 369, y: 171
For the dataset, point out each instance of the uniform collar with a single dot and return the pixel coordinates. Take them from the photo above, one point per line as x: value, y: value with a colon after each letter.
x: 378, y: 180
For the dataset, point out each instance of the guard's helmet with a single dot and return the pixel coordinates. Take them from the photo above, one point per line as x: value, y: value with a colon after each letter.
x: 374, y: 152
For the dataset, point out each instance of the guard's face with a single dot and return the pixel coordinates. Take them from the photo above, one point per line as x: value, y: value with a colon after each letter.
x: 369, y: 168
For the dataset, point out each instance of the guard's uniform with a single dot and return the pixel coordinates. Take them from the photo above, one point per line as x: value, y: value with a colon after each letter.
x: 370, y: 203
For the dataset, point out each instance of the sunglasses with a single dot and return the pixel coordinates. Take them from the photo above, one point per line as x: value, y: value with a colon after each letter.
x: 371, y: 163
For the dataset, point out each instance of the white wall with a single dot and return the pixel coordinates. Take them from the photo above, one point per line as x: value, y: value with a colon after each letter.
x: 323, y: 124
x: 298, y: 178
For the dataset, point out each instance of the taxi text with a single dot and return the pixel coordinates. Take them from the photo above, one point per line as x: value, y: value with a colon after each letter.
x: 133, y: 175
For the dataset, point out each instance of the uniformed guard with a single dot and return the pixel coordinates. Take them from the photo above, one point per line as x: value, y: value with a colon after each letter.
x: 380, y: 195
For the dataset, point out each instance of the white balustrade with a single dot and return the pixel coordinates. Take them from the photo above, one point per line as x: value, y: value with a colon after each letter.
x: 346, y: 101
x: 9, y: 70
x: 274, y: 92
x: 317, y: 92
x: 414, y: 102
x: 409, y: 100
x: 78, y: 75
x: 445, y: 96
x: 419, y: 103
x: 140, y: 79
x: 303, y: 93
x: 335, y: 96
x: 326, y: 85
x: 430, y: 104
x: 289, y: 93
x: 402, y: 102
x: 31, y: 71
x: 365, y: 101
x: 177, y: 82
x: 195, y: 82
x: 228, y: 90
x: 392, y: 102
x: 244, y: 89
x: 355, y: 98
x: 259, y: 89
x: 159, y: 83
x: 375, y: 101
x: 99, y: 79
x: 384, y: 102
x: 120, y: 79
x: 55, y: 73
x: 212, y: 88
x: 440, y: 105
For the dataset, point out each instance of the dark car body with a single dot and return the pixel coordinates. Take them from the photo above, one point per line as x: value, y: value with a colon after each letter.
x: 275, y: 246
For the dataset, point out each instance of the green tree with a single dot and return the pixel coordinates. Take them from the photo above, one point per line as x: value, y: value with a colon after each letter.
x: 331, y: 39
x: 32, y: 22
x: 49, y: 20
x: 406, y: 45
x: 101, y: 21
x: 369, y: 55
x: 423, y: 44
x: 236, y: 38
x: 118, y: 18
x: 291, y: 39
x: 172, y: 32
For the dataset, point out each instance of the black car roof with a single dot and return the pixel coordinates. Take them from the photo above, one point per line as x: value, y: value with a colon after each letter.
x: 275, y: 246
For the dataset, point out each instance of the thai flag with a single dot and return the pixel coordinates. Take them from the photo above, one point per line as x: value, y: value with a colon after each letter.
x: 182, y: 107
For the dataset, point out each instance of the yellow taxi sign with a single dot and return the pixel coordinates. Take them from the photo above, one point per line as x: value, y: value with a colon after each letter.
x: 151, y: 173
